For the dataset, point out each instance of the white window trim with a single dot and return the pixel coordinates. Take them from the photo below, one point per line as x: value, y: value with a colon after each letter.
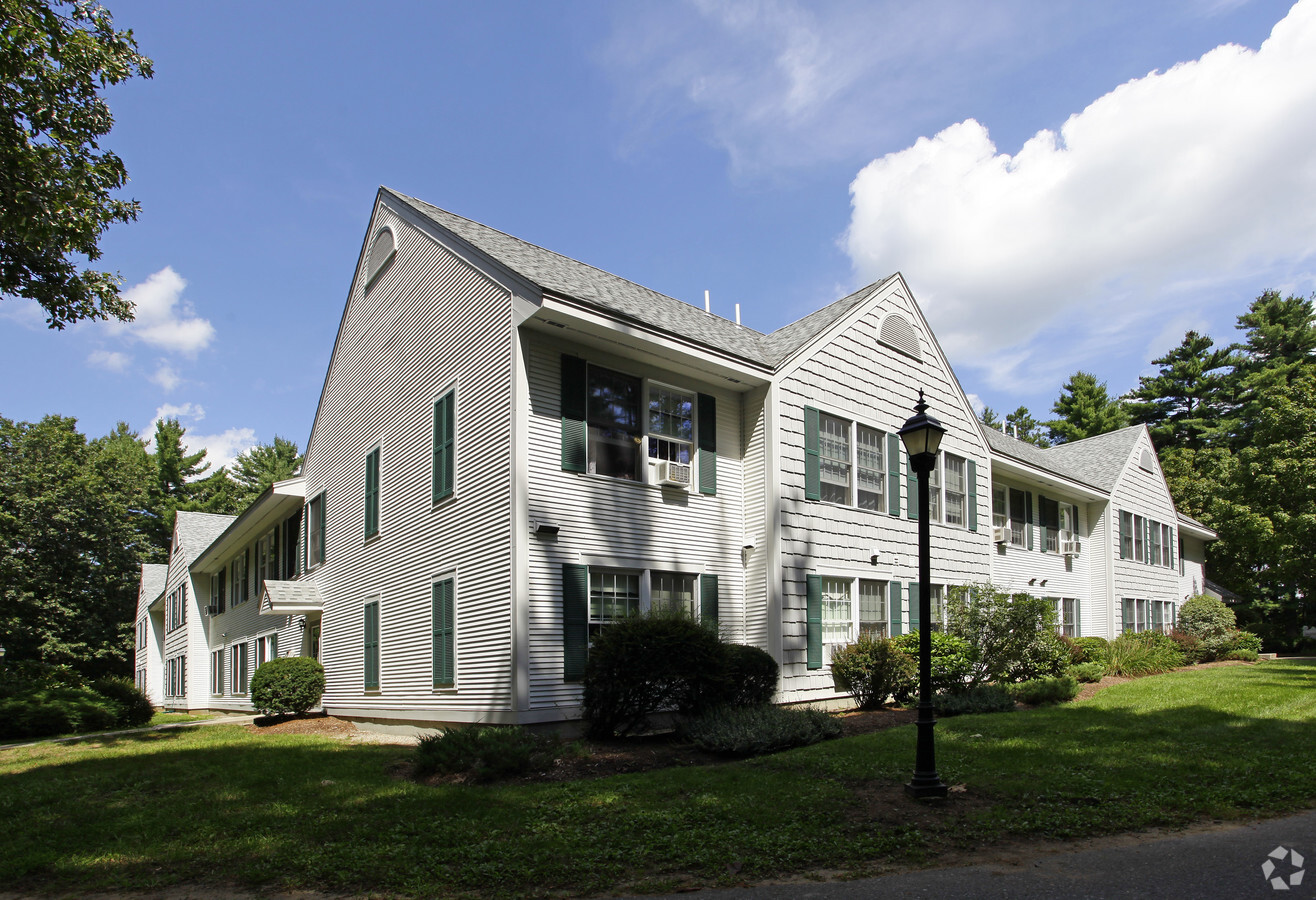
x: 854, y: 423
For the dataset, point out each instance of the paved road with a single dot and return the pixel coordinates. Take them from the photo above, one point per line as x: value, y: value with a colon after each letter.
x: 1225, y: 862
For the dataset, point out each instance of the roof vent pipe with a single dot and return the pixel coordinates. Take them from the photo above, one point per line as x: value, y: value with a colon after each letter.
x: 708, y: 304
x: 737, y: 313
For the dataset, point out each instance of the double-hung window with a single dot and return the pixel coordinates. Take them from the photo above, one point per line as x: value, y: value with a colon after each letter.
x: 936, y: 606
x: 834, y: 458
x: 1167, y: 543
x: 870, y: 468
x: 1018, y: 517
x: 443, y: 633
x: 370, y: 642
x: 238, y: 668
x: 872, y: 608
x: 615, y: 429
x: 1066, y: 614
x: 315, y: 515
x: 217, y: 672
x: 671, y: 424
x: 956, y: 492
x: 934, y: 490
x: 837, y: 611
x: 267, y: 648
x: 1139, y: 539
x: 613, y: 595
x: 673, y: 591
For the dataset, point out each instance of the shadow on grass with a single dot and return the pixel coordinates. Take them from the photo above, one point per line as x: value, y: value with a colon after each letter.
x: 139, y: 811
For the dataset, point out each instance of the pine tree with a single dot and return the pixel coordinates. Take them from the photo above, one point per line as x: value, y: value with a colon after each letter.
x: 1278, y: 347
x: 1022, y: 425
x: 1085, y: 410
x: 264, y: 464
x: 1183, y: 405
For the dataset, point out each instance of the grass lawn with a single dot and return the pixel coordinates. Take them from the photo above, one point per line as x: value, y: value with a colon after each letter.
x: 164, y: 718
x: 220, y: 805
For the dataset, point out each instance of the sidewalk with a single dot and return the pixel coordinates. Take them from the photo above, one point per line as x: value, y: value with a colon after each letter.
x: 1224, y: 861
x: 97, y: 735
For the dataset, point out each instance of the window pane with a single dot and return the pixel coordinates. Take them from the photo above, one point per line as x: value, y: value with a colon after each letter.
x: 836, y: 611
x: 999, y: 516
x: 955, y: 496
x: 1018, y: 516
x: 871, y: 467
x: 672, y: 451
x: 834, y: 457
x: 671, y: 413
x: 614, y: 424
x: 672, y: 590
x: 612, y: 596
x: 872, y: 608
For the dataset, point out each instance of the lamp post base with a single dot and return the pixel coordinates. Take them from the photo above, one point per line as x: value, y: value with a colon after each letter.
x: 926, y: 784
x: 927, y: 787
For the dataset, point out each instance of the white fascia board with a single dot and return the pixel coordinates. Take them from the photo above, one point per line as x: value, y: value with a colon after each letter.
x: 1008, y: 466
x: 590, y: 327
x: 262, y: 515
x: 1195, y: 529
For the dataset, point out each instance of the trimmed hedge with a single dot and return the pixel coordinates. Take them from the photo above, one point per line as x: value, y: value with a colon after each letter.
x: 756, y: 730
x: 287, y: 684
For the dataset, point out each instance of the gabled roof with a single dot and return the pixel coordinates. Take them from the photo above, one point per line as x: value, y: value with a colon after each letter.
x: 154, y: 576
x: 287, y: 598
x: 1096, y: 461
x: 575, y: 280
x: 197, y: 530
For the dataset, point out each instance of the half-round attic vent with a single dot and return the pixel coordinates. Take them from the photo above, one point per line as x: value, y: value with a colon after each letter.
x: 897, y: 333
x: 381, y: 251
x: 1146, y: 460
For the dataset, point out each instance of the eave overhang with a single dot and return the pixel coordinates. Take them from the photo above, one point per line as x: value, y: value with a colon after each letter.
x: 1044, y: 478
x: 277, y: 502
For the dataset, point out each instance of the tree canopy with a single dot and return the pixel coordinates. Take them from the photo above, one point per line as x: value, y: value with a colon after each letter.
x: 1085, y: 410
x: 56, y: 196
x: 1184, y: 404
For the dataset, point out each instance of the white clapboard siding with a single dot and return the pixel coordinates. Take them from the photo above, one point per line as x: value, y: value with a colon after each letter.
x: 1097, y: 607
x: 757, y: 487
x: 1143, y: 493
x: 430, y: 322
x: 1013, y: 568
x: 854, y: 376
x: 1192, y: 580
x: 632, y: 525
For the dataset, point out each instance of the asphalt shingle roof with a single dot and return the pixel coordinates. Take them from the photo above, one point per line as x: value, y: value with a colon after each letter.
x: 154, y: 576
x: 198, y: 530
x: 567, y: 277
x: 1095, y: 461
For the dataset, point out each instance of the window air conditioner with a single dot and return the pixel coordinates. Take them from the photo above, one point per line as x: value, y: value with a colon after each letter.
x: 1001, y: 535
x: 212, y: 610
x: 673, y: 473
x: 1070, y: 548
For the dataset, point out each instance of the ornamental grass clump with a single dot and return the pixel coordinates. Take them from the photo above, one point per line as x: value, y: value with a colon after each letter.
x: 1143, y: 653
x: 1087, y: 673
x: 756, y: 730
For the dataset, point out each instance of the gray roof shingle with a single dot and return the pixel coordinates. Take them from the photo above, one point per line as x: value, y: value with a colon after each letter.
x: 154, y: 576
x: 558, y: 274
x: 1096, y: 461
x: 198, y: 530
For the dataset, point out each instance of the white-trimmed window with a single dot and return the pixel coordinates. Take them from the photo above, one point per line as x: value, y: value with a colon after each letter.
x: 1068, y: 522
x: 613, y: 595
x: 267, y: 648
x: 615, y: 428
x: 934, y: 491
x: 956, y: 490
x: 1126, y: 535
x: 671, y: 424
x: 872, y: 608
x: 217, y: 672
x: 673, y: 590
x: 141, y: 633
x: 870, y: 468
x: 1065, y: 614
x: 1167, y: 545
x: 238, y: 669
x: 315, y: 531
x: 1139, y: 540
x: 837, y: 611
x: 1018, y: 522
x: 834, y: 458
x: 937, y: 606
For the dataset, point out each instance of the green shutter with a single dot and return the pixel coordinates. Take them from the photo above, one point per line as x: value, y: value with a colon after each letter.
x: 372, y: 492
x: 897, y: 613
x: 1124, y: 552
x: 441, y: 618
x: 707, y: 444
x: 812, y: 461
x: 911, y: 493
x: 1028, y: 518
x: 370, y: 646
x: 893, y: 474
x: 575, y: 620
x: 574, y: 388
x: 971, y: 515
x: 913, y: 606
x: 813, y: 621
x: 443, y: 448
x: 708, y: 598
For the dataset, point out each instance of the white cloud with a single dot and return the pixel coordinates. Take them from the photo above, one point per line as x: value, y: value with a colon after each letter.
x: 1158, y: 192
x: 221, y: 449
x: 193, y: 411
x: 167, y: 377
x: 162, y: 318
x: 112, y: 360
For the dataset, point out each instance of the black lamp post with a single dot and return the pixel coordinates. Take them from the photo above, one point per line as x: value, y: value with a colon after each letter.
x: 921, y: 435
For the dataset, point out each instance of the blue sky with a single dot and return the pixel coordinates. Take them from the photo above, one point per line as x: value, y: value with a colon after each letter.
x: 1064, y: 185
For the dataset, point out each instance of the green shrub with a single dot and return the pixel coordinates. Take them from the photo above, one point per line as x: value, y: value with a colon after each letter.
x: 1039, y: 691
x: 1205, y: 617
x: 1143, y: 653
x: 752, y: 674
x: 755, y: 730
x: 1088, y: 673
x: 1189, y: 645
x: 1243, y: 654
x: 663, y: 661
x: 287, y: 684
x: 484, y: 752
x: 1010, y: 637
x: 1246, y: 640
x: 132, y: 708
x: 952, y: 659
x: 984, y: 698
x: 56, y: 710
x: 1094, y: 649
x: 873, y: 669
